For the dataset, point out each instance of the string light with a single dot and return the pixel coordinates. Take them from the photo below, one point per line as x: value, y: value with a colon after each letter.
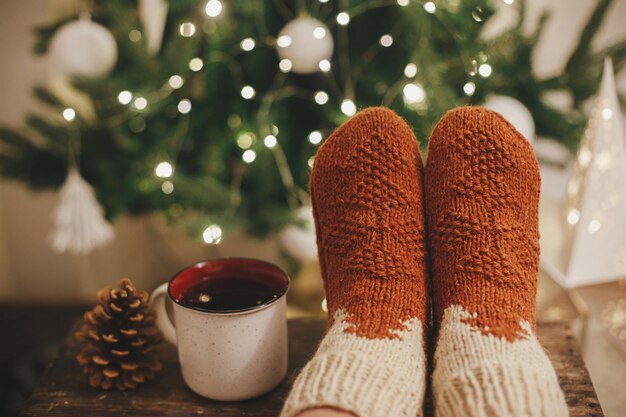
x: 343, y: 18
x: 175, y: 81
x: 323, y: 1
x: 594, y: 226
x: 403, y: 3
x: 310, y: 161
x: 321, y: 97
x: 348, y: 107
x: 509, y: 2
x: 469, y: 88
x: 196, y: 64
x: 247, y: 44
x: 134, y: 35
x: 270, y: 141
x: 213, y: 8
x: 69, y: 114
x: 607, y: 113
x: 485, y: 70
x: 164, y: 170
x: 244, y: 141
x: 477, y: 14
x: 315, y: 137
x: 140, y: 103
x: 573, y: 216
x: 324, y: 305
x: 187, y: 29
x: 184, y: 106
x: 124, y: 97
x: 584, y: 157
x: 430, y: 7
x: 413, y: 93
x: 324, y: 65
x: 247, y: 92
x: 386, y: 40
x: 285, y: 65
x: 410, y: 70
x: 212, y: 235
x: 319, y: 32
x: 275, y: 130
x: 283, y: 41
x: 248, y: 156
x: 167, y: 187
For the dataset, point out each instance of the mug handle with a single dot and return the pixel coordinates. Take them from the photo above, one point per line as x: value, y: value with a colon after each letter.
x: 163, y: 322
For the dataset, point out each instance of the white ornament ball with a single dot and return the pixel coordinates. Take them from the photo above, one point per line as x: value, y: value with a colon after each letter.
x: 515, y: 112
x: 299, y: 241
x: 83, y: 48
x: 305, y: 42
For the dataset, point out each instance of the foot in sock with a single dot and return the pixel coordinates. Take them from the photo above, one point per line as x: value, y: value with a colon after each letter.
x: 366, y: 188
x: 482, y: 194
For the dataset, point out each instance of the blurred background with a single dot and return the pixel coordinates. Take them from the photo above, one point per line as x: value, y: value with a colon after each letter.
x: 138, y: 137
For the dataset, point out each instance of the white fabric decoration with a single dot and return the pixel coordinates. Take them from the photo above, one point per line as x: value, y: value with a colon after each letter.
x: 79, y: 224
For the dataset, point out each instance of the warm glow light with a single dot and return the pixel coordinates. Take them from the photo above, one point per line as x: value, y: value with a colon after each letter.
x: 310, y: 161
x: 167, y: 187
x: 573, y: 216
x: 184, y: 106
x: 187, y: 29
x: 584, y: 157
x: 285, y: 65
x: 175, y: 81
x: 244, y: 141
x: 607, y: 113
x: 413, y: 93
x: 343, y: 18
x: 196, y: 64
x: 469, y: 88
x: 348, y: 107
x: 319, y: 32
x: 315, y: 137
x: 164, y: 170
x: 410, y: 70
x: 247, y: 44
x: 248, y: 156
x: 247, y: 92
x: 594, y: 226
x: 134, y: 35
x: 283, y: 41
x: 140, y: 103
x: 484, y: 70
x: 69, y: 114
x: 270, y: 141
x: 509, y: 2
x: 212, y: 235
x: 321, y: 97
x: 324, y: 65
x: 430, y: 7
x: 403, y: 3
x: 124, y: 97
x: 213, y: 8
x: 386, y: 40
x: 324, y: 305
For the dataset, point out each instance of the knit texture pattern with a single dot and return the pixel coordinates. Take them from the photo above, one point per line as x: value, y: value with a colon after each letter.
x: 366, y: 188
x: 482, y: 195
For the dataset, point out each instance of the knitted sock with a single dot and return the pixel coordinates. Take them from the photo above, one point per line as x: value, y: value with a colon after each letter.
x: 366, y: 187
x: 482, y: 194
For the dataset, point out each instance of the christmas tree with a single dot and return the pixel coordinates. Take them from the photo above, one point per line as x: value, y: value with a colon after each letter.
x: 210, y: 112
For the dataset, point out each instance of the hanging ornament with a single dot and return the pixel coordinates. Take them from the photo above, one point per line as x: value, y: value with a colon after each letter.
x: 153, y: 15
x: 79, y: 224
x: 515, y: 112
x: 298, y: 240
x: 307, y: 44
x: 83, y: 48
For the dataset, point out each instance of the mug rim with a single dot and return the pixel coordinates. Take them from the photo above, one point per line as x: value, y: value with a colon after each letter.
x: 246, y: 310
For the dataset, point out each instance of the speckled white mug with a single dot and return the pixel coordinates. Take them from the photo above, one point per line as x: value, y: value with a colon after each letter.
x: 227, y: 355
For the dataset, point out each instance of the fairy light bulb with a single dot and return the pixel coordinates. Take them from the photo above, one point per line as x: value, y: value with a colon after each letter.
x: 247, y: 44
x: 484, y: 70
x: 607, y: 113
x: 321, y: 97
x: 196, y: 64
x: 184, y: 106
x: 248, y: 156
x: 140, y: 103
x: 213, y: 8
x: 403, y: 3
x: 175, y: 81
x: 247, y: 92
x: 167, y: 187
x: 134, y: 35
x: 315, y: 137
x: 164, y: 170
x: 125, y: 97
x: 413, y: 93
x: 319, y: 32
x: 212, y: 235
x: 386, y: 40
x: 343, y: 18
x: 270, y: 141
x: 324, y: 65
x: 244, y: 141
x: 187, y: 29
x: 348, y: 107
x: 283, y: 41
x: 594, y: 226
x: 410, y: 70
x: 469, y: 88
x: 430, y: 7
x: 285, y: 65
x: 69, y: 114
x: 573, y: 216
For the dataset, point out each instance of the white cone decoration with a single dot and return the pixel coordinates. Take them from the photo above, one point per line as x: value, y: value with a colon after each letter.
x: 308, y: 45
x: 79, y: 224
x: 299, y: 242
x: 153, y: 15
x: 596, y: 209
x: 83, y: 48
x: 515, y: 112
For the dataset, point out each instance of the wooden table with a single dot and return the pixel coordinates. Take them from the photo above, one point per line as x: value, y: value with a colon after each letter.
x: 63, y: 390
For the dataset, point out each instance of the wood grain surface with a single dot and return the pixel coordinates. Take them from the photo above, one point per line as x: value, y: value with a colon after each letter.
x: 63, y: 390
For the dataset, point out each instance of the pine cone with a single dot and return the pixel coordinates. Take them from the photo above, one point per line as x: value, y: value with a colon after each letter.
x: 119, y: 339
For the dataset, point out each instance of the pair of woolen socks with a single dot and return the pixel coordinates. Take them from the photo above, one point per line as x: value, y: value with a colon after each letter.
x: 461, y: 233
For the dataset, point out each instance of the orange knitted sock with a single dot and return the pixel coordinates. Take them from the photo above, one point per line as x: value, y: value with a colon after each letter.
x: 482, y: 195
x: 366, y: 187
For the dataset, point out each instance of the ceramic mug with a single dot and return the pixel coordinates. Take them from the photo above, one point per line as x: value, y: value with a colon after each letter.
x: 227, y: 355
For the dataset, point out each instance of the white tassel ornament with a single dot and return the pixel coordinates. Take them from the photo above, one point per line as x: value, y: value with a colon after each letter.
x: 79, y: 224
